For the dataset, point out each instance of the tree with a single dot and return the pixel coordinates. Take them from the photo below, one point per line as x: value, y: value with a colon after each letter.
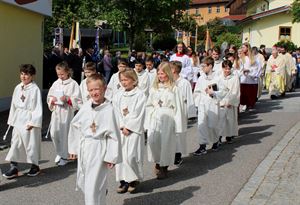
x: 230, y: 38
x: 296, y: 11
x: 65, y: 11
x: 134, y: 16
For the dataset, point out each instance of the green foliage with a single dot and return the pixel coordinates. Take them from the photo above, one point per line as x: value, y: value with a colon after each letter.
x: 140, y: 42
x: 289, y: 45
x: 230, y: 38
x: 187, y: 23
x: 296, y: 11
x: 163, y: 42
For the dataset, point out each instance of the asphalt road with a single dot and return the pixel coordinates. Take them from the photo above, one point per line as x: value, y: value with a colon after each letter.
x: 212, y: 179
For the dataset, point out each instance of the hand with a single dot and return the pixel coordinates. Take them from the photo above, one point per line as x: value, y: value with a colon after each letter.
x: 64, y: 98
x: 54, y: 99
x: 229, y: 106
x: 126, y: 132
x: 209, y: 91
x: 29, y: 127
x: 110, y: 165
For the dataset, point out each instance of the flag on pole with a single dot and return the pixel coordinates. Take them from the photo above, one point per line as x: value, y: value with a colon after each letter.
x: 208, y: 42
x: 95, y: 55
x: 77, y: 36
x: 72, y: 36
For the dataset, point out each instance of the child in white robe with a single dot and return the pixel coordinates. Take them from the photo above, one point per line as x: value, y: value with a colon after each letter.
x: 208, y: 108
x: 114, y: 84
x: 25, y: 116
x: 189, y: 110
x: 229, y: 97
x: 163, y: 120
x: 63, y: 100
x: 89, y: 69
x: 151, y: 70
x: 143, y: 77
x: 129, y: 106
x: 94, y: 136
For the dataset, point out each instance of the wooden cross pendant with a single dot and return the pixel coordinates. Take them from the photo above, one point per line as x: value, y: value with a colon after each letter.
x: 125, y: 111
x: 160, y: 103
x: 93, y: 127
x: 22, y: 98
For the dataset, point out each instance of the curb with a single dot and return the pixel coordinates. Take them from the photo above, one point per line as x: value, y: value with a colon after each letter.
x: 267, y: 175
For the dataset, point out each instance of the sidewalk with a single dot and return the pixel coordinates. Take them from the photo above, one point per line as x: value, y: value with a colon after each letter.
x: 276, y: 180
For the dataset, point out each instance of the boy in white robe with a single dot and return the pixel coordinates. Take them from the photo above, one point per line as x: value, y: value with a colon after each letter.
x: 94, y: 137
x: 144, y: 81
x: 163, y: 120
x: 25, y: 116
x: 63, y: 100
x: 208, y: 108
x: 151, y: 70
x: 129, y: 106
x: 114, y: 84
x: 89, y: 69
x: 189, y: 110
x: 229, y: 97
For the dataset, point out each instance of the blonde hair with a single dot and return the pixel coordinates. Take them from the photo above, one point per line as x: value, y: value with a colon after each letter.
x: 96, y: 77
x: 249, y: 54
x: 166, y: 68
x: 64, y: 66
x: 131, y: 74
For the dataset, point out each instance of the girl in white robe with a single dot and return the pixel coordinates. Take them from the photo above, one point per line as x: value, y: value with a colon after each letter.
x: 89, y: 69
x: 163, y: 120
x: 150, y: 70
x: 25, y: 116
x: 189, y: 110
x: 208, y: 108
x: 129, y: 106
x: 94, y: 137
x: 143, y: 77
x: 63, y: 100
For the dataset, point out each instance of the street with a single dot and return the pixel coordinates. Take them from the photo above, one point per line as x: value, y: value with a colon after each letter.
x: 212, y: 179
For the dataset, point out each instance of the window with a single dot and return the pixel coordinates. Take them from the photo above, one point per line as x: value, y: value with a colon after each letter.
x: 218, y: 9
x: 226, y: 9
x: 285, y: 33
x: 209, y: 9
x: 197, y: 11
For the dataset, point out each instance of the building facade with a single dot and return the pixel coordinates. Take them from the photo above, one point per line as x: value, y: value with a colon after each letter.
x: 269, y: 21
x: 21, y: 39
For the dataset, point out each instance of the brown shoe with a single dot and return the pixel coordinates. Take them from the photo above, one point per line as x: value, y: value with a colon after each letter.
x: 132, y: 186
x: 162, y: 174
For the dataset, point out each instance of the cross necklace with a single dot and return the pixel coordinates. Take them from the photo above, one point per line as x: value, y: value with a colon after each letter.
x: 22, y: 96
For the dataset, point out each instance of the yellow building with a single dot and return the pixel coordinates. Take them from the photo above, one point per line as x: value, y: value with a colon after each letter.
x: 206, y: 10
x: 21, y: 40
x: 268, y: 22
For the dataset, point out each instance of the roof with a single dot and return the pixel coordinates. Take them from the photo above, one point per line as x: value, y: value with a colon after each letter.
x: 205, y: 2
x: 267, y: 13
x: 235, y: 17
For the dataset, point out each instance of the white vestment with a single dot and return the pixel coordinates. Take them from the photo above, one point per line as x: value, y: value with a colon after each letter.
x: 164, y: 118
x: 217, y: 69
x: 130, y: 110
x: 290, y: 67
x: 144, y: 82
x: 186, y: 71
x: 152, y: 75
x: 208, y: 109
x: 229, y: 96
x: 63, y: 114
x: 94, y: 136
x: 113, y: 86
x: 85, y: 96
x: 26, y: 110
x: 189, y: 111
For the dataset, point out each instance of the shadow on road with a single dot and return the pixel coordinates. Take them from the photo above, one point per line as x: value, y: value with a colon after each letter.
x: 166, y: 197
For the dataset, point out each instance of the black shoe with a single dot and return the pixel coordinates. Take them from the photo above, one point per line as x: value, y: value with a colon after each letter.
x: 178, y: 161
x: 200, y: 151
x: 11, y: 173
x: 123, y: 187
x: 215, y: 146
x: 273, y: 97
x: 229, y: 140
x: 34, y: 171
